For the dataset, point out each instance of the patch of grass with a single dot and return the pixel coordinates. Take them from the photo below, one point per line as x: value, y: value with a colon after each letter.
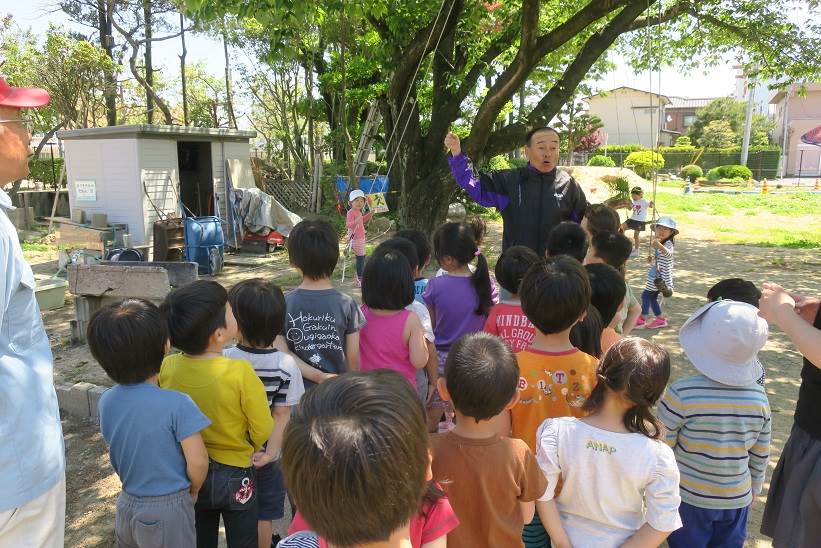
x: 788, y: 205
x: 35, y: 246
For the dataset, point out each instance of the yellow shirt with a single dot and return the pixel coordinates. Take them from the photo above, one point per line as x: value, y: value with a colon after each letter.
x: 551, y: 384
x: 229, y: 393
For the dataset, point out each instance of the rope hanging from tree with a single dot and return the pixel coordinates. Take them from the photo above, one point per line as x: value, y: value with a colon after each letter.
x: 654, y: 135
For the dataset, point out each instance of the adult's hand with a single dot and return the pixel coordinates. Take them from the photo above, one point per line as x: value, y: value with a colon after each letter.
x: 778, y: 306
x: 453, y: 144
x: 775, y: 302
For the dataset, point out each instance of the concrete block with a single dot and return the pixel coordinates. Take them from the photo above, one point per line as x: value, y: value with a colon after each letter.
x: 146, y: 282
x: 75, y: 400
x: 94, y: 395
x: 179, y: 273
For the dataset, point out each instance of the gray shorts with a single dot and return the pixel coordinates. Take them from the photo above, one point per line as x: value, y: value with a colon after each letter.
x: 155, y: 522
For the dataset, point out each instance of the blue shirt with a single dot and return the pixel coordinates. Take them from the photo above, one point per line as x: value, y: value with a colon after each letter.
x: 144, y: 425
x: 32, y: 456
x: 419, y: 287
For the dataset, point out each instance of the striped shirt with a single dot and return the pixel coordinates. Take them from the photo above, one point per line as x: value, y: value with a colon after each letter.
x: 661, y: 267
x: 720, y: 435
x: 277, y: 371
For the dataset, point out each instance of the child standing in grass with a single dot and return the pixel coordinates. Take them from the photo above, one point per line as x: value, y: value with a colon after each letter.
x: 638, y: 217
x: 355, y: 221
x: 659, y: 275
x: 259, y: 307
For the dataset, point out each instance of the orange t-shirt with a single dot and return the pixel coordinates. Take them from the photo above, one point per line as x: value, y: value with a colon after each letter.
x: 551, y: 384
x: 485, y: 480
x: 609, y: 337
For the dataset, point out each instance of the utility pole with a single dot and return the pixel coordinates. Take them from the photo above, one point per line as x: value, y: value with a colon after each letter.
x: 748, y: 122
x: 782, y: 164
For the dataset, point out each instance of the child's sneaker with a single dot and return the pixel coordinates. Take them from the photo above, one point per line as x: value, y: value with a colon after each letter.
x: 659, y: 322
x: 640, y: 323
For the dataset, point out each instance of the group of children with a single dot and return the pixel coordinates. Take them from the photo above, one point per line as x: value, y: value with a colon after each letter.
x: 440, y: 412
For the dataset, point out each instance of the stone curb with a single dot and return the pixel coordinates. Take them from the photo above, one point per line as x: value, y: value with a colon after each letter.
x: 80, y: 400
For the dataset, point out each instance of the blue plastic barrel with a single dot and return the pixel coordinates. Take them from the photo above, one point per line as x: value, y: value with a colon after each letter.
x: 205, y: 243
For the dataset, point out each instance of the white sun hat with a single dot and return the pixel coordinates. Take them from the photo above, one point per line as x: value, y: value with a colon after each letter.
x: 722, y: 340
x: 668, y: 222
x: 356, y: 194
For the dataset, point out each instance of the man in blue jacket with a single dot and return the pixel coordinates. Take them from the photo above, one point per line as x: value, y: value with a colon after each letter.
x: 32, y: 456
x: 532, y: 199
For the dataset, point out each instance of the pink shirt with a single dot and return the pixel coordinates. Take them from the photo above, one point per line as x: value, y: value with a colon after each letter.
x: 434, y: 521
x: 355, y: 222
x: 509, y: 323
x: 382, y: 343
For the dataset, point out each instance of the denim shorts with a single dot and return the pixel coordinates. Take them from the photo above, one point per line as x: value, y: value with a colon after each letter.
x: 270, y: 492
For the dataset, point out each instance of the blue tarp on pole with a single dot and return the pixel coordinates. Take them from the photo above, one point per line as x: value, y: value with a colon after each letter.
x: 368, y: 185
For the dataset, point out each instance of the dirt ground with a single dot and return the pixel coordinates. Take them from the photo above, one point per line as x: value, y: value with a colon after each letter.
x: 93, y: 487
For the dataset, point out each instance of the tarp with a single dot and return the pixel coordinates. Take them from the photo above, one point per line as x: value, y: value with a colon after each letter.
x: 261, y: 213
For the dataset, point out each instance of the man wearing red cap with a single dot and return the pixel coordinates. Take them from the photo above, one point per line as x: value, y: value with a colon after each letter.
x: 32, y: 456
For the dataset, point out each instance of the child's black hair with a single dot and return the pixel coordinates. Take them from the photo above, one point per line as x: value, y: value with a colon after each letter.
x: 459, y: 241
x: 555, y: 293
x: 358, y: 440
x: 586, y: 335
x: 193, y: 312
x: 512, y: 266
x: 387, y: 283
x: 481, y: 374
x: 636, y: 190
x: 608, y: 290
x: 567, y: 238
x: 601, y: 218
x: 403, y: 246
x: 735, y: 289
x: 421, y: 241
x: 259, y: 307
x: 128, y: 339
x: 639, y: 369
x: 313, y: 247
x: 613, y: 248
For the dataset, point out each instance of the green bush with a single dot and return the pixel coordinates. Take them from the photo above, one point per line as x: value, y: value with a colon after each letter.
x: 625, y: 148
x: 41, y: 170
x: 714, y: 174
x: 683, y: 141
x: 691, y: 171
x: 644, y: 162
x: 496, y: 163
x: 601, y: 161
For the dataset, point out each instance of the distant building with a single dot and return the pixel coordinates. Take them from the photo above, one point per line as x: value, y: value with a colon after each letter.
x: 630, y: 115
x: 801, y: 142
x: 681, y: 113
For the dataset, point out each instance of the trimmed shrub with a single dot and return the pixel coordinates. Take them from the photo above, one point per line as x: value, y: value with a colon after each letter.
x: 691, y: 171
x: 683, y: 141
x: 742, y: 173
x: 644, y: 162
x: 601, y: 161
x: 714, y: 174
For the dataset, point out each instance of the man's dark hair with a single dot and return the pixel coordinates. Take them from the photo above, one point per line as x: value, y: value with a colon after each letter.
x: 512, y: 266
x: 193, y: 312
x: 613, y: 248
x: 403, y: 246
x: 608, y: 290
x: 387, y: 283
x: 481, y: 375
x: 259, y: 307
x: 601, y: 218
x: 555, y: 293
x: 358, y: 440
x: 735, y: 289
x: 534, y: 131
x: 567, y: 238
x: 421, y: 241
x: 128, y: 340
x: 313, y: 248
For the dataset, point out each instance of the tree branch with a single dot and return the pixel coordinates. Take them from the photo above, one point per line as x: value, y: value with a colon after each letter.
x: 512, y: 135
x: 672, y: 12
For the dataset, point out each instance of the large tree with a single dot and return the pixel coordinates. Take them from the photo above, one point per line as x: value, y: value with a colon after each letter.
x: 424, y: 60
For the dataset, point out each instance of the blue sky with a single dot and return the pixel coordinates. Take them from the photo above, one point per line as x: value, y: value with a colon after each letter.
x: 37, y: 14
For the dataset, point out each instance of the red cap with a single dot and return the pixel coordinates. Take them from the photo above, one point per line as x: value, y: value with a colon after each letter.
x: 22, y: 97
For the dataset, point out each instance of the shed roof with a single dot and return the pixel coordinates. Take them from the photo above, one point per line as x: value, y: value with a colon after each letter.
x: 158, y: 131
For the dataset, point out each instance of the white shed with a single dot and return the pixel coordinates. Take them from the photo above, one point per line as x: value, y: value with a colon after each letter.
x: 136, y: 174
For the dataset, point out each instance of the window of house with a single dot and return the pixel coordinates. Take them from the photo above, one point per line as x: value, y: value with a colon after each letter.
x: 689, y: 120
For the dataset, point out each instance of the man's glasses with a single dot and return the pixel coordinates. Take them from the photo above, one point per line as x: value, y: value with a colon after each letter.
x: 27, y: 123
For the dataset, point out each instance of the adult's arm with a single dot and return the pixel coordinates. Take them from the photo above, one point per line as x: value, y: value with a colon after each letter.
x: 778, y: 307
x: 486, y: 189
x: 578, y: 202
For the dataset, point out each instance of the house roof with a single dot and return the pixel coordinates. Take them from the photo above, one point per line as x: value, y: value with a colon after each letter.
x: 779, y: 95
x: 689, y: 102
x: 601, y: 93
x: 155, y: 131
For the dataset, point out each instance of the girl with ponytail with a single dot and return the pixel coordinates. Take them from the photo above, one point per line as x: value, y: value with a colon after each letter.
x: 620, y: 481
x: 460, y: 299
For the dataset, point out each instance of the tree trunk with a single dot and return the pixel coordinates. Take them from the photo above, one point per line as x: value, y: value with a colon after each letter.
x: 183, y: 77
x: 107, y: 44
x: 229, y: 96
x: 149, y: 67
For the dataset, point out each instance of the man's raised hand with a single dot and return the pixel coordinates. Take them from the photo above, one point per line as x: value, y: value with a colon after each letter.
x: 453, y: 144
